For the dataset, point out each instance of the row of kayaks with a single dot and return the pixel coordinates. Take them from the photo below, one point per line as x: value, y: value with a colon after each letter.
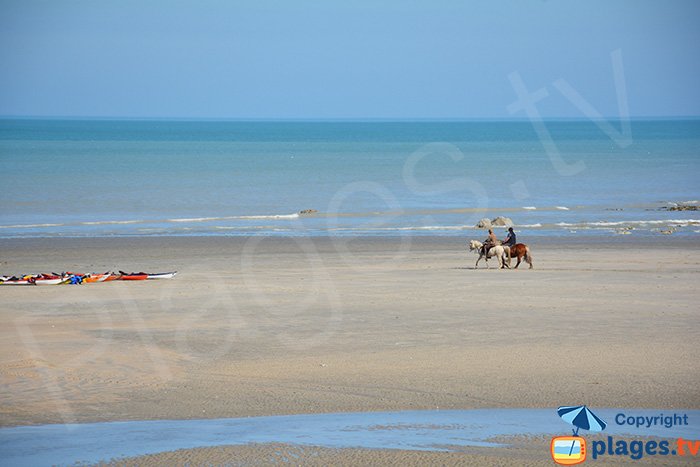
x: 79, y: 278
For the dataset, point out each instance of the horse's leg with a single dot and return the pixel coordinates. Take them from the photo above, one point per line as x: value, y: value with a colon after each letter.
x: 518, y: 263
x: 477, y: 262
x: 528, y: 258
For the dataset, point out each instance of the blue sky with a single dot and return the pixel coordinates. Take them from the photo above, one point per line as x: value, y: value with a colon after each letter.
x: 333, y: 59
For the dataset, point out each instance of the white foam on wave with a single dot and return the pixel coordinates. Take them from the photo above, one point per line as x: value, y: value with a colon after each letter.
x: 562, y: 208
x: 109, y: 222
x: 679, y: 222
x: 529, y: 208
x: 274, y: 216
x: 683, y: 222
x: 228, y: 218
x: 197, y: 219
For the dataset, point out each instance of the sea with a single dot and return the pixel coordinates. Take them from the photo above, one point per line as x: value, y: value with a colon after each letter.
x: 104, y: 178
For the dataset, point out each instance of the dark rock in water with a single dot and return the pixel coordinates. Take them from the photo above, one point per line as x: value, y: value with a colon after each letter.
x: 308, y: 211
x: 683, y: 208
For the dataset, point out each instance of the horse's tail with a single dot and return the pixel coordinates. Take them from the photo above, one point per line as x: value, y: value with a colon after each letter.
x: 528, y: 256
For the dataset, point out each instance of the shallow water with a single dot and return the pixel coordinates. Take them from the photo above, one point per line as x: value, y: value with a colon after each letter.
x: 414, y: 430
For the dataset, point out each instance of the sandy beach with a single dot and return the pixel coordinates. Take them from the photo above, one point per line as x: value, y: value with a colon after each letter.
x: 310, y: 176
x: 267, y: 326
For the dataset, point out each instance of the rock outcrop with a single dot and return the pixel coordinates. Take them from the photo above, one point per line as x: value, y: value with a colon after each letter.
x: 484, y: 224
x: 500, y: 221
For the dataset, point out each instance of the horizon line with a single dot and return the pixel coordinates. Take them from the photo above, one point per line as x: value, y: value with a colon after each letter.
x: 339, y: 119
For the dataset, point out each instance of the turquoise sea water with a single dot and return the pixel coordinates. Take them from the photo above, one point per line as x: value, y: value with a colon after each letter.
x: 104, y: 178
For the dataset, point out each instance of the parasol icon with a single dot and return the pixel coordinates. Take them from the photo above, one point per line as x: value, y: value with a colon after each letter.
x: 580, y: 416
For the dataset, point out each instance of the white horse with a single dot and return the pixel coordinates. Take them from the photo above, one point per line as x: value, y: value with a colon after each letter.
x: 498, y: 251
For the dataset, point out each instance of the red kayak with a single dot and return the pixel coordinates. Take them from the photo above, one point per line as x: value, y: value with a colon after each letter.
x: 133, y: 276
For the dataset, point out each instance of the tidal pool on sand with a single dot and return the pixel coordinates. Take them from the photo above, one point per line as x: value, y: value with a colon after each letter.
x: 415, y: 430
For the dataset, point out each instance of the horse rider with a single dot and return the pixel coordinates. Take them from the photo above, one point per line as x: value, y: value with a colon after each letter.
x: 489, y: 243
x: 510, y: 239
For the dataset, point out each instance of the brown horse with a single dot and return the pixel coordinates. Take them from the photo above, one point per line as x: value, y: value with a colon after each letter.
x: 521, y: 251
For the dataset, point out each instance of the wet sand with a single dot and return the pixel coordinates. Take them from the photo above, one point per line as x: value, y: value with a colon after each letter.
x: 524, y: 451
x: 254, y: 326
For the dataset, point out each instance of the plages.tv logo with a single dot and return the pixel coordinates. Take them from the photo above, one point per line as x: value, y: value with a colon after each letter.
x: 571, y: 450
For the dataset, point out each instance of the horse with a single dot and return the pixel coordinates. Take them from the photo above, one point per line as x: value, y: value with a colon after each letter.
x: 520, y: 250
x: 498, y: 251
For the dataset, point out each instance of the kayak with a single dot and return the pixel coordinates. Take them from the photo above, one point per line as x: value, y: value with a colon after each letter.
x: 162, y: 275
x: 17, y: 282
x: 96, y: 277
x: 39, y: 279
x: 26, y: 279
x: 134, y: 276
x: 51, y: 281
